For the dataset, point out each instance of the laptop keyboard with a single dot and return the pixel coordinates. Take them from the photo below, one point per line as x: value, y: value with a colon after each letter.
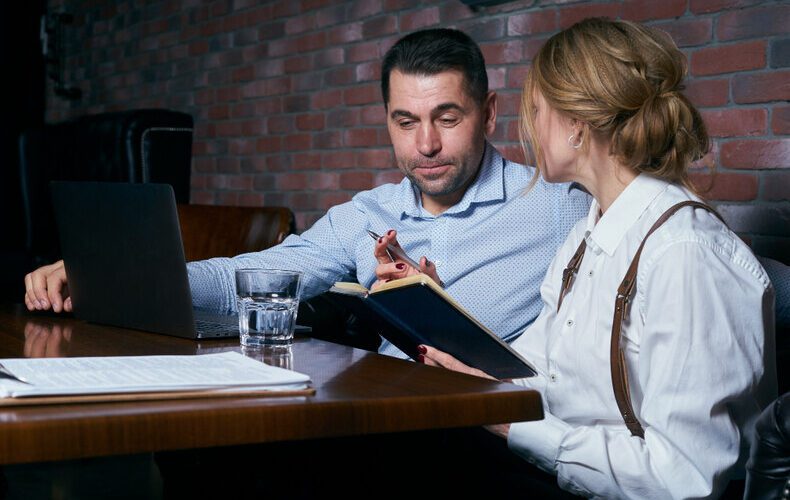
x: 211, y: 329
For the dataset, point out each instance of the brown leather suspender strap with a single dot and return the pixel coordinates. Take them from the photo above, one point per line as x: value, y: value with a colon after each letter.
x: 570, y: 271
x: 619, y: 373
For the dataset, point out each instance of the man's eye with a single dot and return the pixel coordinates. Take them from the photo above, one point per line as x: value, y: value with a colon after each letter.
x: 406, y: 123
x: 448, y: 120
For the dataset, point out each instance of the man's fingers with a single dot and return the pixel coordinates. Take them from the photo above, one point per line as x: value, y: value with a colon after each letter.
x: 54, y: 287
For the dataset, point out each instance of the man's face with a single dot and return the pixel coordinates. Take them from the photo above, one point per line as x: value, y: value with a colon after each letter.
x: 438, y: 133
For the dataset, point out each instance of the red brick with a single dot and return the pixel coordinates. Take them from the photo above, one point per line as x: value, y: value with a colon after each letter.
x: 776, y: 186
x: 414, y: 20
x: 338, y: 77
x: 338, y: 159
x: 726, y: 186
x: 343, y: 117
x: 300, y: 24
x: 533, y: 22
x: 359, y: 137
x: 198, y: 47
x: 573, y: 14
x: 228, y: 94
x: 203, y: 197
x: 364, y: 9
x: 304, y: 43
x: 368, y: 71
x: 363, y: 52
x: 228, y: 165
x: 641, y: 10
x: 688, y: 32
x: 363, y: 94
x: 326, y: 99
x: 780, y: 120
x: 280, y: 124
x: 345, y: 33
x: 292, y: 181
x: 756, y: 154
x: 251, y: 200
x: 331, y: 16
x: 356, y: 180
x: 332, y: 139
x: 378, y: 26
x: 303, y: 201
x: 508, y: 103
x: 485, y: 29
x: 241, y: 147
x: 297, y: 142
x: 244, y: 74
x: 306, y: 161
x: 756, y: 22
x: 707, y: 6
x: 227, y: 198
x: 296, y: 64
x: 729, y: 58
x: 329, y: 200
x: 392, y: 176
x: 375, y: 158
x: 324, y: 180
x: 278, y: 163
x: 374, y: 115
x: 268, y: 144
x: 329, y: 57
x: 239, y: 182
x: 453, y: 12
x: 735, y: 122
x: 704, y: 93
x: 310, y: 122
x: 761, y: 87
x: 503, y: 53
x: 254, y: 127
x: 496, y: 78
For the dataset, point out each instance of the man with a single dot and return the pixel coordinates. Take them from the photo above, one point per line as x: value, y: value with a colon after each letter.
x: 461, y: 204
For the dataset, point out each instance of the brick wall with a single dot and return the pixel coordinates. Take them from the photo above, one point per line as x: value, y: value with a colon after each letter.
x: 285, y: 94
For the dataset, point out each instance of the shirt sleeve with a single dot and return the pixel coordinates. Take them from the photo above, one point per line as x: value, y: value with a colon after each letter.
x: 324, y: 253
x: 699, y: 364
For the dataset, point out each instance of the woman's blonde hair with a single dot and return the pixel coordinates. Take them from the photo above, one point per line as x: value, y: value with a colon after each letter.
x: 623, y: 81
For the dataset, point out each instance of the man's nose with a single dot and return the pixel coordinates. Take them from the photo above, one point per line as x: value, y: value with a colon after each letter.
x: 429, y: 141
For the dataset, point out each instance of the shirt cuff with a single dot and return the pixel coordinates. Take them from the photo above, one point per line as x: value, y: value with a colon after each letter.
x: 538, y: 442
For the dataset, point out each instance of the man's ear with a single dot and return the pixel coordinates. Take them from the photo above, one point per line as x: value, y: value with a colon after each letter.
x: 489, y: 112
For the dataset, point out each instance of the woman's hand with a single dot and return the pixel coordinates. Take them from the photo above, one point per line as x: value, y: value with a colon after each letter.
x: 46, y: 287
x: 388, y: 270
x: 435, y: 357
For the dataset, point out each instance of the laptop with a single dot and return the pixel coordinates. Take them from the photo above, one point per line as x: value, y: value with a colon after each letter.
x: 124, y: 260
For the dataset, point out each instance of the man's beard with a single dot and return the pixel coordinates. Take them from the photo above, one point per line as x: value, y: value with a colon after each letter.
x: 449, y: 181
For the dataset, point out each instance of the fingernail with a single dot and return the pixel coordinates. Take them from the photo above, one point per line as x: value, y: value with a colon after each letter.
x: 379, y: 240
x: 420, y: 358
x: 389, y: 233
x: 422, y: 349
x: 387, y: 280
x: 400, y: 265
x: 38, y: 304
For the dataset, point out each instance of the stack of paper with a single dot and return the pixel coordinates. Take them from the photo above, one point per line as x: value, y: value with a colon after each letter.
x: 157, y: 376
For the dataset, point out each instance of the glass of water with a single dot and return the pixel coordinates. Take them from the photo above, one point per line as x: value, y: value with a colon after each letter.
x: 267, y: 301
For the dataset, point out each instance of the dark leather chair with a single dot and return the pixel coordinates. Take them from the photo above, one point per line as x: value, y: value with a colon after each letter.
x: 768, y: 469
x: 146, y: 145
x: 222, y: 231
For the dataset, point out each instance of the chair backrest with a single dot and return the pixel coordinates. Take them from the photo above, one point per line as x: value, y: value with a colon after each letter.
x: 145, y: 145
x: 221, y: 231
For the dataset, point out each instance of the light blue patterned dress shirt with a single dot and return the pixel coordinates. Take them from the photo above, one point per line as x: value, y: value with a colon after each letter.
x: 491, y: 249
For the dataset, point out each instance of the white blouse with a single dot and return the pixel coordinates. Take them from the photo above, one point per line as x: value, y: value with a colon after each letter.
x: 699, y: 349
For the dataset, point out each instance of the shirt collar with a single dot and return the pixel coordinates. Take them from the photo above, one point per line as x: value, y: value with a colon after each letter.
x: 607, y: 232
x: 489, y: 185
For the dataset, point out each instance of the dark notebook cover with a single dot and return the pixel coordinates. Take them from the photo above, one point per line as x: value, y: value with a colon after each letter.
x: 415, y: 310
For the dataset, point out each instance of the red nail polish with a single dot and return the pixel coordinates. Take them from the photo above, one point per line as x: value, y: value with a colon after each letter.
x: 389, y: 233
x: 379, y: 240
x: 422, y: 349
x: 420, y: 358
x: 400, y: 266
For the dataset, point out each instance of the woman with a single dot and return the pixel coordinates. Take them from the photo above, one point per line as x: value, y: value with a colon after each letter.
x: 602, y: 106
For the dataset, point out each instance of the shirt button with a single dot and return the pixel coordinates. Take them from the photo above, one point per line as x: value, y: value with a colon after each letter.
x: 553, y: 377
x: 590, y: 273
x: 569, y: 322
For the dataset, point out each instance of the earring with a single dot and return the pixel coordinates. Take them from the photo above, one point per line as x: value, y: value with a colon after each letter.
x: 575, y: 146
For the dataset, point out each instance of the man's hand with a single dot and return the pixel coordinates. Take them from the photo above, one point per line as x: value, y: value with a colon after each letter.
x: 46, y: 287
x: 435, y: 357
x: 388, y: 270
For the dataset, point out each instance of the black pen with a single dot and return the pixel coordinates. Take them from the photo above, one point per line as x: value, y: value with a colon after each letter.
x: 394, y: 251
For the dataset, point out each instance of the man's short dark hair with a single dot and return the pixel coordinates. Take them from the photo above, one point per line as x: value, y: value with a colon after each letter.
x: 434, y: 51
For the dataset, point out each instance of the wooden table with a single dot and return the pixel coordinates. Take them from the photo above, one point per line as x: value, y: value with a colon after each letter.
x: 357, y: 393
